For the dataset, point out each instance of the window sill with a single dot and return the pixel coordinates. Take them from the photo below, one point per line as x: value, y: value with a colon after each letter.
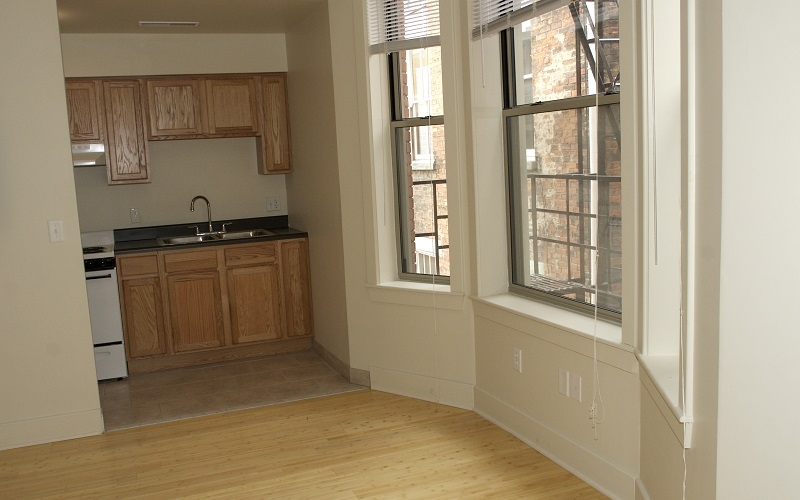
x: 411, y: 293
x: 661, y: 378
x: 567, y: 329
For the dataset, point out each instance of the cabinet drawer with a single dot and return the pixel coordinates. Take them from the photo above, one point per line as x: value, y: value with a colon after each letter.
x: 175, y: 262
x: 137, y: 266
x: 250, y: 254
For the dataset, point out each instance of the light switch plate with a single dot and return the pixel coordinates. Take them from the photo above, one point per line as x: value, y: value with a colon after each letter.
x: 56, y: 230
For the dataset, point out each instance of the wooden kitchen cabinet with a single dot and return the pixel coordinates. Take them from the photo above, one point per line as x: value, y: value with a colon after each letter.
x: 175, y: 107
x: 85, y: 111
x: 297, y: 287
x: 254, y: 291
x: 127, y: 145
x: 215, y: 303
x: 195, y: 300
x: 274, y: 154
x: 142, y: 306
x: 125, y: 112
x: 232, y: 105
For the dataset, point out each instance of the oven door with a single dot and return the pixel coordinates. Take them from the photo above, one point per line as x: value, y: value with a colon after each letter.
x: 106, y: 320
x: 104, y: 312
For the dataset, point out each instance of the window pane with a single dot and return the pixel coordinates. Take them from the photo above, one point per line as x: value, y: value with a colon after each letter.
x: 421, y: 82
x: 423, y: 201
x: 566, y: 213
x: 568, y: 52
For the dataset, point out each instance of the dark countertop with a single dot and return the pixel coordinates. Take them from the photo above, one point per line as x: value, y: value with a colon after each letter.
x: 144, y: 239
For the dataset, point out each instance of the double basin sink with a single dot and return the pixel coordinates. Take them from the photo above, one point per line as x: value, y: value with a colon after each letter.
x: 218, y: 236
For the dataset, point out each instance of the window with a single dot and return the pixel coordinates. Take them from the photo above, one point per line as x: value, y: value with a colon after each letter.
x: 419, y: 162
x: 562, y: 130
x: 408, y: 32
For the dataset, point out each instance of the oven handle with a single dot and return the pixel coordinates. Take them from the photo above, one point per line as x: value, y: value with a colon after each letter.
x: 104, y: 276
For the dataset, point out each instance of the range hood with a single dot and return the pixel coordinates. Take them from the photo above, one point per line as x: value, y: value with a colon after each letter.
x: 88, y: 155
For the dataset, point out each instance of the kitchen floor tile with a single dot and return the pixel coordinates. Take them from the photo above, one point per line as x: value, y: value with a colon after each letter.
x: 188, y: 392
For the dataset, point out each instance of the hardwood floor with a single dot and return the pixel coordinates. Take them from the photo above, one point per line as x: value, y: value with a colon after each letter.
x: 363, y: 444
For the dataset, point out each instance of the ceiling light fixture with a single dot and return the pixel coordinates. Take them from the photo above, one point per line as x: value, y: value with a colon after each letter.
x: 167, y: 24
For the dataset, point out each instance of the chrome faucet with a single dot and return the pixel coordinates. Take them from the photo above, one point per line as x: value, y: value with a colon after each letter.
x: 208, y: 207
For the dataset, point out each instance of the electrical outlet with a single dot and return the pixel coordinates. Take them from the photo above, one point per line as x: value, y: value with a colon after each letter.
x: 575, y: 383
x: 518, y: 359
x: 136, y: 217
x: 563, y: 382
x: 273, y: 203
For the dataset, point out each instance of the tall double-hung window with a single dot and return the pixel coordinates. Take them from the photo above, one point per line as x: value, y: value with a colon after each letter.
x: 407, y: 32
x: 561, y: 83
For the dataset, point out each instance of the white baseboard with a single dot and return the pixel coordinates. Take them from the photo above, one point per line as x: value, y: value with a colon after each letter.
x: 602, y: 475
x: 51, y: 428
x: 446, y: 392
x: 641, y: 491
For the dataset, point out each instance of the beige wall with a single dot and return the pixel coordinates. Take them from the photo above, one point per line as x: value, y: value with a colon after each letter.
x: 313, y: 186
x: 224, y: 170
x: 48, y: 387
x: 409, y: 346
x: 134, y: 54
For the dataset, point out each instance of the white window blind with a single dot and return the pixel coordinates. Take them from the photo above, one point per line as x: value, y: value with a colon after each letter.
x: 492, y: 16
x: 402, y: 24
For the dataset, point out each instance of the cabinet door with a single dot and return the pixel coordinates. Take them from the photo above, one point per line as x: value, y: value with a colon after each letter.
x: 232, y: 106
x: 174, y: 107
x: 195, y: 306
x: 143, y: 317
x: 84, y: 109
x: 296, y: 288
x: 275, y: 152
x: 127, y: 147
x: 255, y: 301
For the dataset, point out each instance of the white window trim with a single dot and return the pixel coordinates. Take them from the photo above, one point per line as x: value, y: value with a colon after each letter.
x: 665, y: 316
x: 383, y: 283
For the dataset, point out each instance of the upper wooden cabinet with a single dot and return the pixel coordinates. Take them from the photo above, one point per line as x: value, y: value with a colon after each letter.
x: 232, y: 105
x: 85, y: 111
x: 275, y: 151
x: 174, y: 107
x: 127, y: 145
x: 124, y: 113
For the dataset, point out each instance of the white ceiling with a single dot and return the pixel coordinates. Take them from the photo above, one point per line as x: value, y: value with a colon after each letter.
x: 215, y: 16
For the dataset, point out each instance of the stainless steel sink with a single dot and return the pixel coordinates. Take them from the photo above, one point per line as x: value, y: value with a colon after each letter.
x: 235, y: 235
x: 201, y: 238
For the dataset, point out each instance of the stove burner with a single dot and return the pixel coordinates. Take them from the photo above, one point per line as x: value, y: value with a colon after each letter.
x: 94, y: 249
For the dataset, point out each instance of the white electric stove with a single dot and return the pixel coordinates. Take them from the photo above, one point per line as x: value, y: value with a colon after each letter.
x: 104, y: 310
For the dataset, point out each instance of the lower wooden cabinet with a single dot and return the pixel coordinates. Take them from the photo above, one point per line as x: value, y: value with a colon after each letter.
x: 143, y: 317
x: 297, y: 296
x: 195, y: 310
x: 255, y: 300
x: 186, y: 307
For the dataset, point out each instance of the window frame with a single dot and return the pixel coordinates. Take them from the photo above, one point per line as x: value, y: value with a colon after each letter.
x: 397, y: 124
x: 512, y: 110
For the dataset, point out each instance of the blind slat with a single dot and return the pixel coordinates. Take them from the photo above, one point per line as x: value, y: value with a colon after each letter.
x: 393, y: 23
x: 492, y: 16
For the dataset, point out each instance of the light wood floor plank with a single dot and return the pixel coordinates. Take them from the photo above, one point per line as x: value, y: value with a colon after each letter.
x: 356, y: 445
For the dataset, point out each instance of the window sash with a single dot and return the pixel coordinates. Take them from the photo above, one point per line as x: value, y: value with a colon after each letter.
x: 516, y: 200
